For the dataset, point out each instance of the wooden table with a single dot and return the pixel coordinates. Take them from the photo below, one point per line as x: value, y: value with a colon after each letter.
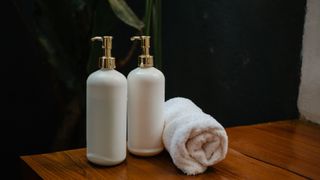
x: 279, y: 150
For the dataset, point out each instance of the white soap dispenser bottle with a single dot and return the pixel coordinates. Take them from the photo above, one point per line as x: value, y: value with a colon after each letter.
x: 145, y: 104
x: 106, y: 110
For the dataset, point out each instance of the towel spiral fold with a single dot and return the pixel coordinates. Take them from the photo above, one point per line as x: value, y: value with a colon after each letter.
x: 194, y: 140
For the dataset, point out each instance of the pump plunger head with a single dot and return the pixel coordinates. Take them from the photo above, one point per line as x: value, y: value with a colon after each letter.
x: 106, y: 61
x: 145, y: 59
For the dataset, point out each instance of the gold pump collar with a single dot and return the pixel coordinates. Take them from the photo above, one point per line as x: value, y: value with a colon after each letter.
x: 145, y: 59
x: 106, y: 61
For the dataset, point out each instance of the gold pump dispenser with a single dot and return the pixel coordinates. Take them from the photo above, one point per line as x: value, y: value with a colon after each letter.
x: 145, y: 59
x: 106, y: 61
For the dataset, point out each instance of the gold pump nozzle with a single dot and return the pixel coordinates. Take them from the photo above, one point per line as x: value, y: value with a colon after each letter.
x: 145, y: 59
x: 106, y: 61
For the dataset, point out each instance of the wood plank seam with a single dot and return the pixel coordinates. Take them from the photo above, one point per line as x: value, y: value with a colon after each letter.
x: 266, y: 162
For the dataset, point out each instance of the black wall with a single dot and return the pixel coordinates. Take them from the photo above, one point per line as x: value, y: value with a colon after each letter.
x: 28, y: 111
x: 239, y: 60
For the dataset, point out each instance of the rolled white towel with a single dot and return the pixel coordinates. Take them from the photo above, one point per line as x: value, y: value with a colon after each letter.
x: 195, y: 140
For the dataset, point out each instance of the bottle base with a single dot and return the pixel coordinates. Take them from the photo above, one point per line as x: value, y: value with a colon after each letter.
x: 95, y: 159
x: 145, y: 152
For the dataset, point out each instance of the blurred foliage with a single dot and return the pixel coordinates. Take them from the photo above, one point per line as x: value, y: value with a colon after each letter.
x: 62, y: 29
x: 124, y: 12
x: 152, y: 20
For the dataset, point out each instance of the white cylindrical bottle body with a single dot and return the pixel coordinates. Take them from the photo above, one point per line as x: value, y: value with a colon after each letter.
x: 146, y: 88
x: 106, y: 117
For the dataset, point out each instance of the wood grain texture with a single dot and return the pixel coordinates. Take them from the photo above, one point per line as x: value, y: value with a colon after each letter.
x: 291, y: 145
x: 273, y: 150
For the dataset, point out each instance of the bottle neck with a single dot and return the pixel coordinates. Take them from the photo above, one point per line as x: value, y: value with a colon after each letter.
x: 107, y: 63
x: 145, y: 61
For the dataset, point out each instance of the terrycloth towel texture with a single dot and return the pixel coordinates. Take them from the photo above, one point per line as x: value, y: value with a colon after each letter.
x: 195, y: 140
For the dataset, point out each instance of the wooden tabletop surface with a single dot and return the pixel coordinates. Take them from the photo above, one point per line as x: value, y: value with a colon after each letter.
x: 280, y: 150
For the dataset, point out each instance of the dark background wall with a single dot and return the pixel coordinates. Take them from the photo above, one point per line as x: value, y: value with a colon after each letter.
x: 239, y: 60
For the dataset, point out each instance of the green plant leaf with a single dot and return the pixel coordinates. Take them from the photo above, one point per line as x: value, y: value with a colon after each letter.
x: 124, y: 12
x: 157, y: 32
x: 147, y: 17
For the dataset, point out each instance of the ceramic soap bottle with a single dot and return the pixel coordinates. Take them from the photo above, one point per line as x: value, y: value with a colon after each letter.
x: 145, y: 104
x: 106, y: 110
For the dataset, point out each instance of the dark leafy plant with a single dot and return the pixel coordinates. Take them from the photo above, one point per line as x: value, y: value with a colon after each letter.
x: 152, y: 20
x: 63, y: 30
